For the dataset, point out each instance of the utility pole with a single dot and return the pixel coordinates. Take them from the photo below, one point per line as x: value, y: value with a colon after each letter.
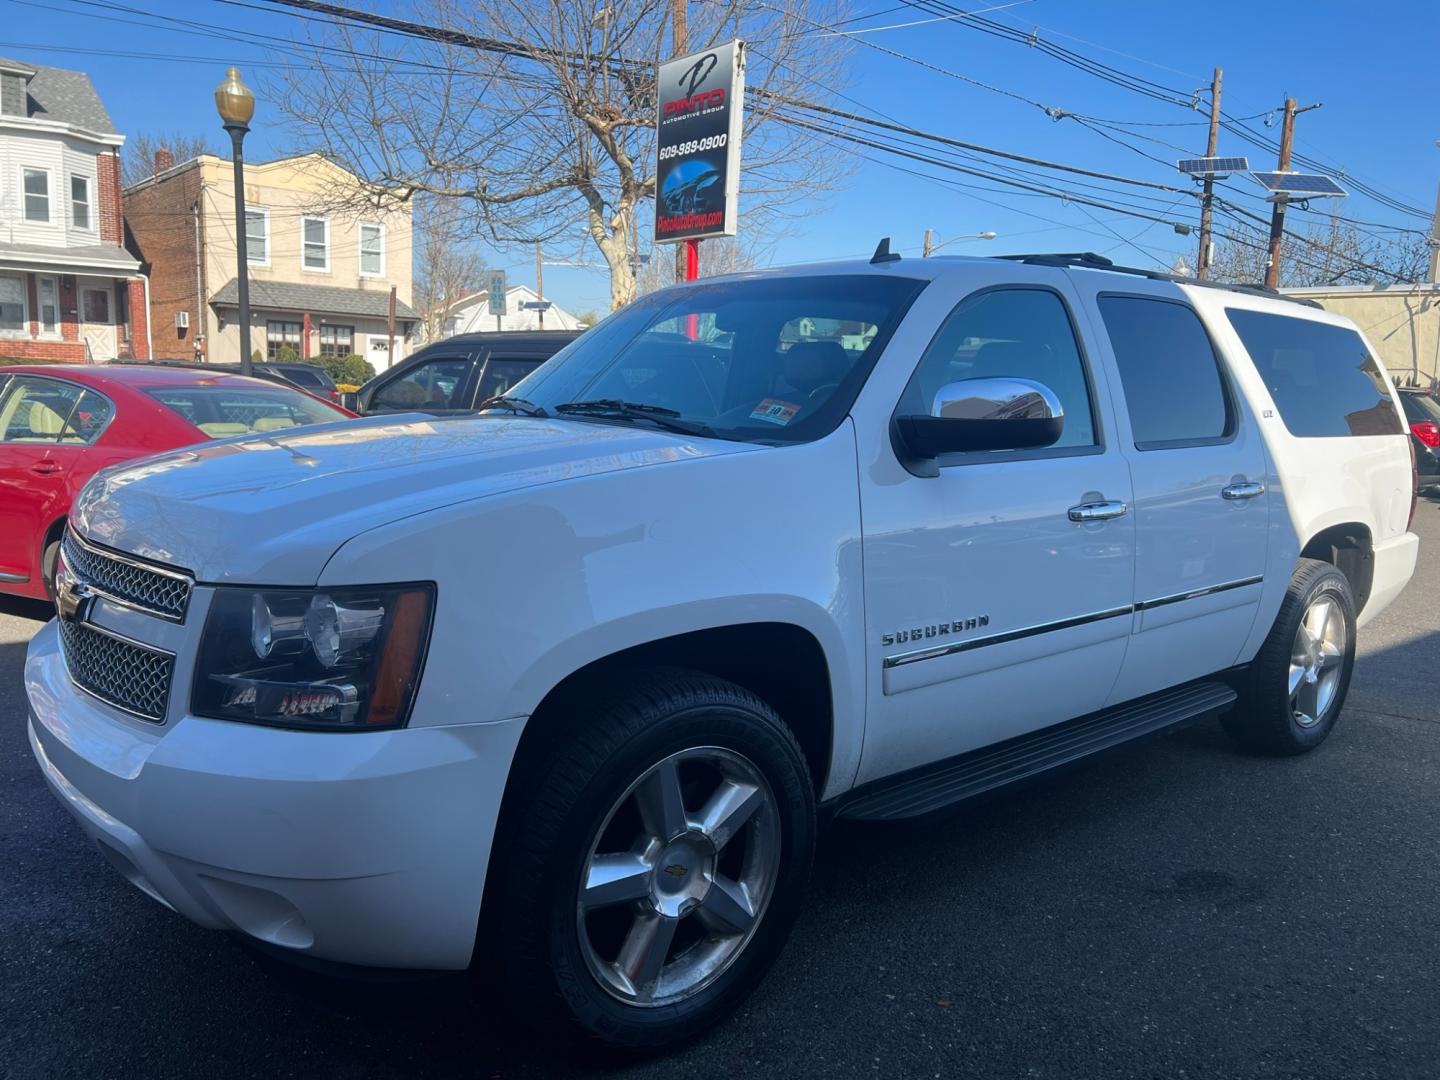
x: 390, y: 332
x: 1202, y: 261
x: 929, y: 236
x: 540, y: 283
x: 687, y: 255
x: 1277, y: 216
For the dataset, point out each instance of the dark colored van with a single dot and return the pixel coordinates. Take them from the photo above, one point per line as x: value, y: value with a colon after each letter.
x: 456, y: 374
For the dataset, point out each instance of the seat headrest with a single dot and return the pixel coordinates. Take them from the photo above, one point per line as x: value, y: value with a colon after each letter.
x: 44, y: 420
x: 273, y: 423
x: 810, y: 365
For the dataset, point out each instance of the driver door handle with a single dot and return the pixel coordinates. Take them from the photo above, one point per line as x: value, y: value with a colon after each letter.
x: 1246, y: 490
x: 1097, y: 511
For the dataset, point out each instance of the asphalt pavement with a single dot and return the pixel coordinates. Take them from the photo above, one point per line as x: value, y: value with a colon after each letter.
x: 1178, y: 909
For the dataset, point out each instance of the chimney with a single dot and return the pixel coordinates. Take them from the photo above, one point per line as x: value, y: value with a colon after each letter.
x: 164, y: 159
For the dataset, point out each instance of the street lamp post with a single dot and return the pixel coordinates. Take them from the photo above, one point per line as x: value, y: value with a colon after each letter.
x: 930, y: 248
x: 236, y: 105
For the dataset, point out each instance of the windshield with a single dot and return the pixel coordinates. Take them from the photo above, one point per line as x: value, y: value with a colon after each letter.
x: 763, y: 359
x: 222, y: 411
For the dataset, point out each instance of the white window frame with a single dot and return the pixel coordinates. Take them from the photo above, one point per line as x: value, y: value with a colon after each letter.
x: 53, y: 329
x: 250, y: 258
x: 305, y: 244
x: 379, y: 225
x: 89, y: 203
x: 24, y: 331
x: 25, y: 196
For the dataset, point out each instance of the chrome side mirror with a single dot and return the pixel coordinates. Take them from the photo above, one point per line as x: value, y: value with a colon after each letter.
x: 976, y: 415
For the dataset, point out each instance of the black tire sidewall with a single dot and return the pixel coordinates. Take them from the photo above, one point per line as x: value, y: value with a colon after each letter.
x: 762, y: 740
x: 49, y: 560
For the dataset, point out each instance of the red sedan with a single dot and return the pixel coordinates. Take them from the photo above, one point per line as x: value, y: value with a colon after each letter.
x: 59, y: 425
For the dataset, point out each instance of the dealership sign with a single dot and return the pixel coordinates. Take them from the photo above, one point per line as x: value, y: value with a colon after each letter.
x: 697, y: 174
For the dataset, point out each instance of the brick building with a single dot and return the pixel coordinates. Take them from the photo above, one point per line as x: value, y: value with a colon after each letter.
x: 68, y: 288
x: 320, y: 270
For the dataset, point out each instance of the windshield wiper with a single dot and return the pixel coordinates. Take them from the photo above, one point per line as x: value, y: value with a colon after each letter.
x: 614, y: 409
x: 517, y: 405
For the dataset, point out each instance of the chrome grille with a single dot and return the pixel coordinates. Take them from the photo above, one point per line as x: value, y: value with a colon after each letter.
x: 160, y: 592
x: 128, y: 675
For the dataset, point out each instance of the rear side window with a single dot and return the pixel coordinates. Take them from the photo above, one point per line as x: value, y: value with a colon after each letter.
x: 1169, y: 372
x: 1322, y: 377
x: 221, y: 412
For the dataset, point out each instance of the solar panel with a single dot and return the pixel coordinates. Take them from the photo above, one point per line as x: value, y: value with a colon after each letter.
x: 1202, y: 166
x: 1302, y: 185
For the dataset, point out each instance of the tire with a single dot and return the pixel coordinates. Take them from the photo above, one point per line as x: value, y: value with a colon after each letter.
x: 1297, y: 684
x: 49, y: 558
x: 586, y: 956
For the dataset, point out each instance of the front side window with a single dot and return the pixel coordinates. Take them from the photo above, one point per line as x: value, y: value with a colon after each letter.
x: 12, y: 303
x: 337, y: 340
x: 281, y: 335
x: 372, y: 249
x: 435, y: 384
x: 257, y: 236
x: 222, y: 411
x: 80, y: 201
x: 1008, y: 333
x: 316, y: 243
x: 501, y: 375
x: 769, y: 359
x: 36, y: 410
x: 1322, y: 377
x: 37, y: 195
x: 1168, y: 371
x: 49, y: 307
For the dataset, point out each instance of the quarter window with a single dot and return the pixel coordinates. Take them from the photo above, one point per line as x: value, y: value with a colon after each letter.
x: 80, y: 201
x: 372, y: 248
x: 1017, y: 333
x: 257, y: 236
x: 1322, y: 377
x: 1168, y: 370
x: 37, y: 195
x: 317, y: 243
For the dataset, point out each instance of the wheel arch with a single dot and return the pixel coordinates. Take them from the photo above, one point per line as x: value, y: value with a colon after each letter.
x: 1350, y: 547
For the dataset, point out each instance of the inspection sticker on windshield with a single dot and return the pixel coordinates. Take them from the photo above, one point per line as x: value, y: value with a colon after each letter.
x: 775, y: 411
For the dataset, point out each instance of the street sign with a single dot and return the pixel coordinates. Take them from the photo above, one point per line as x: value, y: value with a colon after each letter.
x: 536, y: 305
x: 496, y: 287
x: 700, y: 103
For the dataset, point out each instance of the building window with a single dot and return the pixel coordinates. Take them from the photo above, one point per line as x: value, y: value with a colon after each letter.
x: 337, y: 340
x: 280, y: 334
x: 12, y: 95
x: 317, y: 243
x: 49, y: 305
x: 372, y: 249
x: 37, y: 195
x: 95, y: 305
x: 80, y: 201
x: 12, y: 303
x: 257, y: 236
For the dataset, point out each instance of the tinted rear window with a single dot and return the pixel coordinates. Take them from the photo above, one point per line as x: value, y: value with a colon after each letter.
x: 1168, y: 370
x: 1322, y: 377
x: 1420, y: 407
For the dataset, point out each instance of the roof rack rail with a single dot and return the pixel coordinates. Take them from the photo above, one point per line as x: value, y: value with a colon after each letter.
x: 1087, y: 260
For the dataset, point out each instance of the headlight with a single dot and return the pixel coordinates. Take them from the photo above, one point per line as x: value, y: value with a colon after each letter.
x: 326, y: 659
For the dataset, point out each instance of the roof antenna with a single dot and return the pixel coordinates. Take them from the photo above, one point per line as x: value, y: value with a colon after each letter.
x: 883, y: 254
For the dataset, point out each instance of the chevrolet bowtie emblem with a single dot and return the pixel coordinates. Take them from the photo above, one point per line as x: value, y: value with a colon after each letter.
x: 72, y: 596
x: 675, y: 870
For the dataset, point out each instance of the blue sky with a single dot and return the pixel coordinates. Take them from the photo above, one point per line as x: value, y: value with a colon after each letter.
x: 1373, y: 71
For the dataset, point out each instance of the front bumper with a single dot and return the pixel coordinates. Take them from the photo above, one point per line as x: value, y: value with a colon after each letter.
x: 362, y: 848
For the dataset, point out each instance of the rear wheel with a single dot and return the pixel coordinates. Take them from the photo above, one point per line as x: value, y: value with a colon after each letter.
x: 1299, y: 679
x: 658, y: 864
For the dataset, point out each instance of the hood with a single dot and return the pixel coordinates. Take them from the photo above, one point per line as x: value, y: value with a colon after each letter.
x: 271, y: 510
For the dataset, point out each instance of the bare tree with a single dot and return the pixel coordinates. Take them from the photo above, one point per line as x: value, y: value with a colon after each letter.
x: 137, y: 157
x: 447, y: 262
x: 1335, y: 252
x: 723, y: 255
x: 555, y: 136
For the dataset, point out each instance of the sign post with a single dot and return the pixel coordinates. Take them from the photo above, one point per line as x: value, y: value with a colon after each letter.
x: 697, y: 172
x: 495, y: 286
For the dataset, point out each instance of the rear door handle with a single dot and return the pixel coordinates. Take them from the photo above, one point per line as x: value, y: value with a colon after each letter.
x: 1097, y: 511
x: 1242, y: 491
x: 45, y: 468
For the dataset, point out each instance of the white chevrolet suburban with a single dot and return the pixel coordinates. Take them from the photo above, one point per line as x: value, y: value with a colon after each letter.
x: 561, y: 689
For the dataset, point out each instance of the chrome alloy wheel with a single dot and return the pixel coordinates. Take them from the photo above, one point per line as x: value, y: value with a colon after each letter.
x: 1317, y: 660
x: 678, y: 876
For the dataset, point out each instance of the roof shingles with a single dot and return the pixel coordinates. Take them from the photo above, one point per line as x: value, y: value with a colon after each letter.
x: 317, y: 299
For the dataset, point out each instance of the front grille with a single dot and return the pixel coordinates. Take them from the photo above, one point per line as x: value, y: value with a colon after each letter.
x: 130, y: 676
x: 160, y: 592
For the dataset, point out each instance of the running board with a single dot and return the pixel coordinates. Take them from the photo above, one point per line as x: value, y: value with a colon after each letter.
x: 933, y: 787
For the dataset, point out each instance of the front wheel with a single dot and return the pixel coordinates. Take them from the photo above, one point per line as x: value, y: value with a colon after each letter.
x: 658, y: 863
x: 1297, y: 684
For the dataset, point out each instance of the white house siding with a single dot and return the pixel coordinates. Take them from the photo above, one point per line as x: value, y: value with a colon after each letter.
x: 59, y: 156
